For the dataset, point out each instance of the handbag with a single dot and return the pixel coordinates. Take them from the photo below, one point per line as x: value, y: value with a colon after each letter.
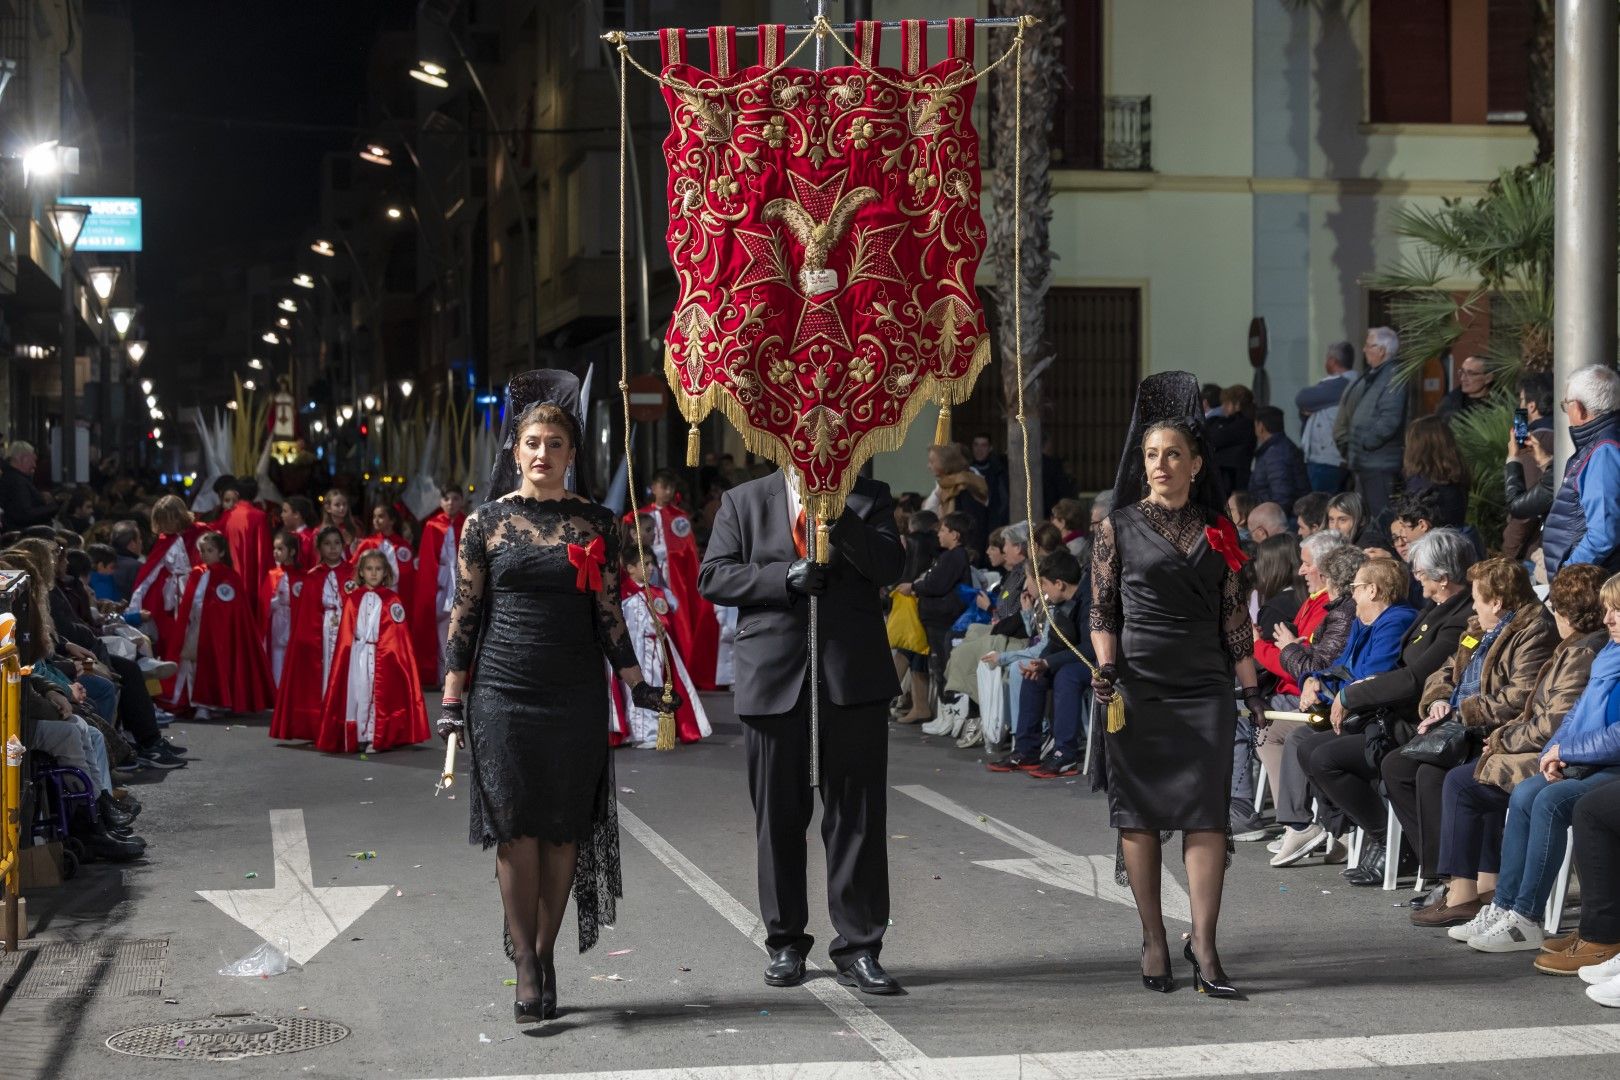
x: 1446, y: 745
x: 905, y: 628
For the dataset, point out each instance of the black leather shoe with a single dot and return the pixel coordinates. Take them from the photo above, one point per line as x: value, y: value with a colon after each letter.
x: 1370, y: 869
x: 1434, y: 896
x: 1159, y: 984
x: 1216, y: 984
x: 786, y: 967
x: 867, y: 975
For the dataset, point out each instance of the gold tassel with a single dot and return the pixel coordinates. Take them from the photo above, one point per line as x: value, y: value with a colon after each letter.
x: 1116, y: 714
x: 823, y: 542
x: 694, y: 447
x: 942, y: 430
x: 666, y: 712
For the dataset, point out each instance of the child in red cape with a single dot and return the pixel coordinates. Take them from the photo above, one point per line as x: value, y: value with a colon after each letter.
x: 645, y: 607
x: 317, y: 612
x: 693, y: 623
x: 220, y: 649
x: 387, y: 537
x: 436, y: 581
x: 339, y: 513
x: 373, y: 697
x: 162, y: 578
x: 276, y: 600
x: 247, y: 528
x: 298, y: 518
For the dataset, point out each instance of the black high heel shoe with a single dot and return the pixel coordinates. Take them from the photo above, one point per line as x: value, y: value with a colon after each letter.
x: 1159, y: 984
x: 1218, y: 987
x: 532, y: 1010
x: 548, y: 990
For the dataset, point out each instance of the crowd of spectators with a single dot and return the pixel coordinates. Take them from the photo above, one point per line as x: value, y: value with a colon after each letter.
x: 1445, y: 705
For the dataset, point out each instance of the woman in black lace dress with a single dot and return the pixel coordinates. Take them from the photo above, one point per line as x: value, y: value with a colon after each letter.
x: 1170, y: 624
x: 536, y: 610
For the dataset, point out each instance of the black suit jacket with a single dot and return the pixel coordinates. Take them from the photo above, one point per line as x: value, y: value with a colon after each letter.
x: 745, y: 567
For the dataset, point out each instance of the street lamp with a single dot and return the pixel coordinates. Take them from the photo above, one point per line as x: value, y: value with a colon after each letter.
x: 394, y: 213
x: 304, y: 281
x: 256, y: 364
x: 369, y: 402
x: 151, y: 399
x: 323, y: 247
x: 104, y: 279
x: 122, y: 319
x: 288, y: 304
x: 249, y: 384
x: 68, y: 221
x: 146, y: 387
x: 270, y: 337
x: 377, y: 154
x: 406, y: 386
x: 137, y: 352
x: 431, y: 73
x: 348, y: 412
x: 284, y: 322
x: 48, y: 159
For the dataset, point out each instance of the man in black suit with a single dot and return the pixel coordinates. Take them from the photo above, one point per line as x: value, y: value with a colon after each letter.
x: 756, y: 563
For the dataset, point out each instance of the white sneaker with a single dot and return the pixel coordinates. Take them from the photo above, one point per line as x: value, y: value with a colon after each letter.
x: 1594, y: 974
x: 1276, y: 845
x: 1476, y: 926
x: 1298, y: 844
x: 1606, y: 994
x: 940, y: 725
x: 1338, y: 852
x: 1510, y: 932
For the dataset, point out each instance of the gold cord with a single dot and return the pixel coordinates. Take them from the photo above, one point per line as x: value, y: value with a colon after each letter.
x: 666, y: 713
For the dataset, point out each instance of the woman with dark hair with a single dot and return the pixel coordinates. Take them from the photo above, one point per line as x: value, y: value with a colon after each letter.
x: 1232, y: 438
x: 1432, y: 463
x: 1347, y: 516
x: 537, y: 609
x: 1276, y: 581
x: 1169, y: 626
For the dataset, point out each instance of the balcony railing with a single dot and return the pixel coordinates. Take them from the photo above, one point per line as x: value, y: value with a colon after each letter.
x: 1113, y: 133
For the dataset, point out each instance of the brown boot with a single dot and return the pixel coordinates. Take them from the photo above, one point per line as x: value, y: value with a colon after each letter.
x: 1576, y: 956
x: 1440, y: 915
x: 1559, y: 944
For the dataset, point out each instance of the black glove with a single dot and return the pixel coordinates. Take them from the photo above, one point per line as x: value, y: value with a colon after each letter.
x: 1102, y: 683
x: 807, y: 578
x: 451, y: 720
x: 647, y: 696
x: 1255, y: 702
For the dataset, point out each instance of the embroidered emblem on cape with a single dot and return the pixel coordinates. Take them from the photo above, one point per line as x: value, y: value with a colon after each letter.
x: 349, y: 586
x: 298, y: 588
x: 396, y: 611
x: 402, y: 553
x: 681, y: 527
x: 225, y: 593
x: 660, y: 605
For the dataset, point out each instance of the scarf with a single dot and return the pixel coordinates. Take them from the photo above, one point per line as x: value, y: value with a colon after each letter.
x: 1468, y: 685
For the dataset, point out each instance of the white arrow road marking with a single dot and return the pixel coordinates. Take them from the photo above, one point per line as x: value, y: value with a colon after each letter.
x: 293, y: 908
x: 1089, y: 875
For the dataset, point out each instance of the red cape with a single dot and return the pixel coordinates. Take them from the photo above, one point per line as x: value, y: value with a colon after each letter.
x: 686, y: 723
x: 149, y: 583
x: 247, y: 531
x: 425, y: 606
x: 396, y: 694
x: 232, y: 670
x: 693, y: 625
x: 307, y: 555
x: 300, y: 695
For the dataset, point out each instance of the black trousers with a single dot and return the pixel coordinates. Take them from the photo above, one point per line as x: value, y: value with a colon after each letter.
x: 1337, y: 766
x: 1597, y: 855
x: 1417, y: 792
x: 136, y: 713
x: 854, y: 823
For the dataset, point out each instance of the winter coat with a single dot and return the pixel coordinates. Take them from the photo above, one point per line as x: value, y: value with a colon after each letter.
x: 1279, y: 473
x: 1371, y: 427
x: 1429, y: 643
x: 1583, y: 525
x: 1319, y: 405
x: 1506, y: 679
x: 1513, y: 751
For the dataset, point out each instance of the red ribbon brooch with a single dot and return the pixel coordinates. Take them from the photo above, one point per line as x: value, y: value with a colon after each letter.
x: 1223, y: 540
x: 589, y: 561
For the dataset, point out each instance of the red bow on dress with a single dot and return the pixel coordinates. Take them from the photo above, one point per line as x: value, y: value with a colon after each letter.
x: 1223, y: 539
x: 589, y: 562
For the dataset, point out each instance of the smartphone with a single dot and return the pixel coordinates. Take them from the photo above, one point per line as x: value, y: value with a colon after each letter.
x: 1521, y: 426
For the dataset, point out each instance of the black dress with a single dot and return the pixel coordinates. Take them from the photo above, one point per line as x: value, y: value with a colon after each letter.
x: 533, y: 638
x: 1182, y: 622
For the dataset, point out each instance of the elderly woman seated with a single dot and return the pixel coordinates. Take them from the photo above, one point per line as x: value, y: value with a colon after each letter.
x: 1484, y: 687
x: 1341, y: 769
x: 1474, y: 795
x: 1328, y: 563
x: 1582, y: 755
x: 1334, y: 761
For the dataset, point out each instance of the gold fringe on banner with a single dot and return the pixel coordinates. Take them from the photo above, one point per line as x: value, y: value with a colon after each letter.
x: 694, y: 447
x: 942, y: 429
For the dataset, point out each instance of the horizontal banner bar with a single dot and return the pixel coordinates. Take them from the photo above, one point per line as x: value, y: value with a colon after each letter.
x: 805, y: 28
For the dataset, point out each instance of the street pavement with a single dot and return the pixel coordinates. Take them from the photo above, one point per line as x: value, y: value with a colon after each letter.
x: 1017, y: 951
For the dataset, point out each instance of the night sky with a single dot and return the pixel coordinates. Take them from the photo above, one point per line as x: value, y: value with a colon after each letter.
x: 235, y: 103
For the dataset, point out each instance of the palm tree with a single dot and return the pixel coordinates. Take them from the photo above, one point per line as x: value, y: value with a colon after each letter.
x: 1042, y: 79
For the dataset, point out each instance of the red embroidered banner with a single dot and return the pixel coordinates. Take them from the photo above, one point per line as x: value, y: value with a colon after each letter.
x: 825, y: 233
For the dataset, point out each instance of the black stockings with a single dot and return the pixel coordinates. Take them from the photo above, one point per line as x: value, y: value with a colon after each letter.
x: 1204, y: 853
x: 535, y: 881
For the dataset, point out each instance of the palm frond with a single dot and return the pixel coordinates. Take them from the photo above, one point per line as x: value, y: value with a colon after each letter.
x: 1481, y: 433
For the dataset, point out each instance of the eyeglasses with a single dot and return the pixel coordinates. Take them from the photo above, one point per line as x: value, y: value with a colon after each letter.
x: 1480, y: 374
x: 1363, y: 585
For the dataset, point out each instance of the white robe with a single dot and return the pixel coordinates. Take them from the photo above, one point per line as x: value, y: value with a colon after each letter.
x: 280, y: 625
x: 639, y: 620
x: 360, y: 707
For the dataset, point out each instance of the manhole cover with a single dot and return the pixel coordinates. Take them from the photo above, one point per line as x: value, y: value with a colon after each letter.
x: 227, y: 1037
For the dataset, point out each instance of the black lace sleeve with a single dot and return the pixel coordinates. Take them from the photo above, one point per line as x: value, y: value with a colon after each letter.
x: 472, y: 564
x: 1106, y: 613
x: 610, y: 629
x: 1237, y: 629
